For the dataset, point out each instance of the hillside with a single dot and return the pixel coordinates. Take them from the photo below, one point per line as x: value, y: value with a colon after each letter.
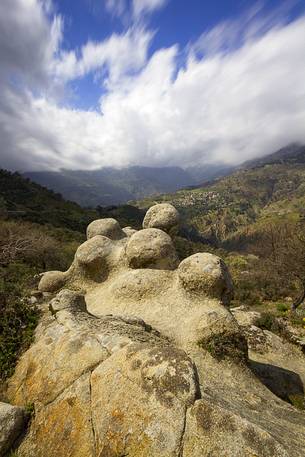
x: 31, y: 202
x: 113, y: 186
x: 146, y: 359
x: 110, y: 186
x: 269, y: 190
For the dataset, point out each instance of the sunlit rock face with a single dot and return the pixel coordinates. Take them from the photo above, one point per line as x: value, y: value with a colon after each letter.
x: 139, y: 355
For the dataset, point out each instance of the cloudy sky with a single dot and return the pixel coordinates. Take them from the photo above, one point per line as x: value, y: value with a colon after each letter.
x: 92, y: 83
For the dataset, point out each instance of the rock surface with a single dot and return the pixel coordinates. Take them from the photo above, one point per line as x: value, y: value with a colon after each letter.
x: 140, y: 356
x: 163, y: 216
x: 107, y: 227
x: 12, y: 423
x: 151, y: 248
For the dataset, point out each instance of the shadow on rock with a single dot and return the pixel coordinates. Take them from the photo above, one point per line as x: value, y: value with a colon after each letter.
x: 285, y: 384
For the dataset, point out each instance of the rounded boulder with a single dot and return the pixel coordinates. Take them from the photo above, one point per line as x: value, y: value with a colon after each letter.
x: 105, y: 227
x: 151, y: 248
x: 163, y: 216
x: 92, y: 255
x: 52, y: 281
x: 206, y: 273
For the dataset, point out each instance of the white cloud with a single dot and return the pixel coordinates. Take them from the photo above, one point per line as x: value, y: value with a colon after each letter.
x: 226, y: 104
x: 28, y: 39
x: 141, y: 7
x: 116, y: 7
x: 135, y: 11
x: 119, y: 55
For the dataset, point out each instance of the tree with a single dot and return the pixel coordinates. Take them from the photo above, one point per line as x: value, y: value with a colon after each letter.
x: 283, y: 247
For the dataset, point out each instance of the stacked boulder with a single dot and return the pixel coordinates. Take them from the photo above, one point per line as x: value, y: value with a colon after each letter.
x: 141, y: 356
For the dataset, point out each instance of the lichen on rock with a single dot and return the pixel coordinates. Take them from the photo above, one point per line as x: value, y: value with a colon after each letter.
x: 141, y: 356
x: 163, y: 216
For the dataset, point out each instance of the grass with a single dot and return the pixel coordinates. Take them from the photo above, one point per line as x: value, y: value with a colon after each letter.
x: 18, y: 317
x: 298, y: 401
x: 221, y: 346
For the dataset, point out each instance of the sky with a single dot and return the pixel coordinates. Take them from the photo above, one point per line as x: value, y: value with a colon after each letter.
x: 91, y: 83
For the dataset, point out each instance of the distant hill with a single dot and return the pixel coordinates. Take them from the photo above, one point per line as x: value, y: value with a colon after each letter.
x: 263, y: 191
x: 24, y: 199
x: 112, y: 186
x: 208, y: 172
x: 292, y: 154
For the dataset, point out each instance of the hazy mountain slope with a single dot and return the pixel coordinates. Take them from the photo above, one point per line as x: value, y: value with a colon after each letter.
x: 292, y: 154
x: 27, y: 200
x: 257, y: 195
x: 203, y: 173
x: 110, y: 186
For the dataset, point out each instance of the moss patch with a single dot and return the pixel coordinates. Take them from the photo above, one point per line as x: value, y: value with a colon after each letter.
x: 226, y: 345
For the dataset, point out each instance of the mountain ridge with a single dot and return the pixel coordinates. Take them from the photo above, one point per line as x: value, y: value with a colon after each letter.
x: 115, y: 186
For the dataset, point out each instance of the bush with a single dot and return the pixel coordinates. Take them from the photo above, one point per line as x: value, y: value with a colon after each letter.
x: 282, y: 307
x: 221, y: 346
x: 18, y: 317
x: 40, y: 247
x: 267, y: 321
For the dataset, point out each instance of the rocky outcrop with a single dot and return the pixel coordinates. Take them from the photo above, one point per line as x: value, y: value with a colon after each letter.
x: 12, y: 423
x: 140, y: 356
x: 162, y: 216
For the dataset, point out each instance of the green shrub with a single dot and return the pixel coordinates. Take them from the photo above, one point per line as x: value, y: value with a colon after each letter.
x: 282, y: 307
x: 221, y: 346
x: 267, y: 321
x: 298, y: 401
x: 18, y: 317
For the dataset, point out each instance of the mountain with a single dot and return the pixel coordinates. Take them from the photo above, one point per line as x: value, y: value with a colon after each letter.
x: 26, y: 200
x: 23, y: 199
x: 294, y: 153
x: 115, y: 186
x: 203, y: 173
x: 111, y: 186
x: 261, y: 191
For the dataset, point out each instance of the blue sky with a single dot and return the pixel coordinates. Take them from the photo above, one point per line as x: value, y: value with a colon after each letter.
x: 178, y: 21
x: 93, y: 83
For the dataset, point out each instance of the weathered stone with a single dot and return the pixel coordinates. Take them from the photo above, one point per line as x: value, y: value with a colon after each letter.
x: 245, y: 317
x: 129, y: 231
x: 151, y: 248
x: 62, y: 428
x: 52, y: 281
x: 93, y: 252
x: 163, y: 216
x: 144, y: 414
x: 12, y: 423
x: 215, y: 431
x: 67, y: 299
x: 106, y: 227
x: 208, y: 274
x: 55, y: 361
x: 149, y: 362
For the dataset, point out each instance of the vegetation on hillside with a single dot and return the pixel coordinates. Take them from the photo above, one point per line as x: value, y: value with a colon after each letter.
x: 255, y: 220
x: 39, y: 231
x: 20, y: 198
x: 26, y: 249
